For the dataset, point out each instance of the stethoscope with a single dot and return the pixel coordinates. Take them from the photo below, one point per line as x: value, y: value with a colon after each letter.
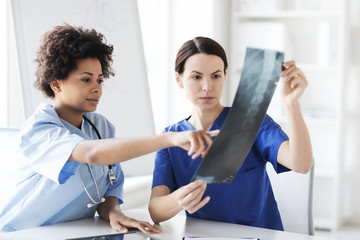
x: 112, y: 176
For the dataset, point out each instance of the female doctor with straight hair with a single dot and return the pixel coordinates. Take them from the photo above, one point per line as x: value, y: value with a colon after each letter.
x: 68, y: 156
x: 200, y: 70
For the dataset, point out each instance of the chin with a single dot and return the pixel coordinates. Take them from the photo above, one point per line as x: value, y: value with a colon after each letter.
x: 90, y: 109
x: 206, y: 107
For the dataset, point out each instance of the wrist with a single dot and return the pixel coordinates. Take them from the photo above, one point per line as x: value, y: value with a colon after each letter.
x: 115, y: 214
x: 176, y: 207
x: 291, y: 104
x: 169, y: 139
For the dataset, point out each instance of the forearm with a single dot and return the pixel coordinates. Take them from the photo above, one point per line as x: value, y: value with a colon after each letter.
x: 299, y: 149
x: 115, y: 150
x: 163, y: 208
x: 110, y: 206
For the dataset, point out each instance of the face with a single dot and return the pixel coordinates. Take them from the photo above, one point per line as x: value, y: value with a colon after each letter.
x: 203, y: 80
x: 81, y: 91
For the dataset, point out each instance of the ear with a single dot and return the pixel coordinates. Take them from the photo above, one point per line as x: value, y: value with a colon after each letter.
x: 179, y: 80
x: 55, y: 86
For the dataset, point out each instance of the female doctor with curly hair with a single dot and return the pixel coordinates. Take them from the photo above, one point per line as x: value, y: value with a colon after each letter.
x: 68, y: 156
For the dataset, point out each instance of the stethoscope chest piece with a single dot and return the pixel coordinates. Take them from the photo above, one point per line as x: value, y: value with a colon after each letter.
x: 112, y: 177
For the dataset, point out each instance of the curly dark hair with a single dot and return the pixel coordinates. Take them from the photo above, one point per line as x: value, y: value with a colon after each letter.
x: 62, y: 47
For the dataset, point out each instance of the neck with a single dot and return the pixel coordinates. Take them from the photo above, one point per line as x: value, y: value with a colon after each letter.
x: 203, y: 119
x: 71, y: 116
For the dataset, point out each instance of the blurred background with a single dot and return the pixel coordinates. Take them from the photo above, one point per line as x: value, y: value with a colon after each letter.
x: 322, y: 36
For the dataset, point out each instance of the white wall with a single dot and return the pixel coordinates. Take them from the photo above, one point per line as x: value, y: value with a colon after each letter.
x: 3, y: 63
x: 16, y: 111
x: 350, y: 190
x: 176, y: 21
x: 189, y: 19
x: 11, y: 102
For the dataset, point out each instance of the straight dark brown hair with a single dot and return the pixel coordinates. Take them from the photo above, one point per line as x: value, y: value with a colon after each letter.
x: 199, y: 45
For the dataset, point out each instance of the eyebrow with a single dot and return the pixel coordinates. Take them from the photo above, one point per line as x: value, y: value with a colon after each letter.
x: 194, y: 71
x: 217, y: 71
x: 100, y: 75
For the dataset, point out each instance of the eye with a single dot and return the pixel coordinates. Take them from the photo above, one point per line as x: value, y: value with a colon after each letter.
x: 85, y: 79
x: 196, y: 77
x: 216, y: 76
x: 100, y: 81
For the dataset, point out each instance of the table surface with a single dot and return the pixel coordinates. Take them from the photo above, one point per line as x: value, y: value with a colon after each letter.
x: 173, y: 229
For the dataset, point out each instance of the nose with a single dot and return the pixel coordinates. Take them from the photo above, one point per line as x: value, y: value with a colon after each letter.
x: 97, y: 88
x: 207, y: 85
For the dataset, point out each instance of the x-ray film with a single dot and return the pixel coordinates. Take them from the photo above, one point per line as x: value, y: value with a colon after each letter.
x: 259, y: 77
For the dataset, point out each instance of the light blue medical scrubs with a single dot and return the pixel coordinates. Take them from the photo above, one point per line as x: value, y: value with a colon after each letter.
x: 50, y: 190
x: 248, y: 199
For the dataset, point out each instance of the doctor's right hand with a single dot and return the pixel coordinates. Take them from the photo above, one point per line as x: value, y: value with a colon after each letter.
x: 188, y: 197
x: 196, y: 142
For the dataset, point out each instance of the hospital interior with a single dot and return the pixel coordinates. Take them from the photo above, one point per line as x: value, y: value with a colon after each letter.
x: 321, y: 36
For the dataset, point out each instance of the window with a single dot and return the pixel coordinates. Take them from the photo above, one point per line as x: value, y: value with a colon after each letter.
x: 3, y: 63
x: 164, y: 28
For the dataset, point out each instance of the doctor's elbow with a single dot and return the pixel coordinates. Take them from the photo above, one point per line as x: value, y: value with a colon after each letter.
x: 155, y: 216
x: 86, y: 152
x: 93, y: 157
x: 305, y: 166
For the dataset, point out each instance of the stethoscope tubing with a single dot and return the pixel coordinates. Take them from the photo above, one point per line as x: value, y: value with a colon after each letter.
x: 112, y: 176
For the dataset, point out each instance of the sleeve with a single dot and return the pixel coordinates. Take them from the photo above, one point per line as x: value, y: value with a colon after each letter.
x: 116, y: 190
x: 47, y: 147
x: 268, y: 141
x: 163, y: 171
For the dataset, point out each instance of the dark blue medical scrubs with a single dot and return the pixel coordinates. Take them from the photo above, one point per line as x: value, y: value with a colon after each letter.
x: 249, y: 198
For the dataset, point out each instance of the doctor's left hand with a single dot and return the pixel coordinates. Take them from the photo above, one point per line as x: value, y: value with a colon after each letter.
x: 110, y: 211
x: 292, y: 82
x: 121, y: 223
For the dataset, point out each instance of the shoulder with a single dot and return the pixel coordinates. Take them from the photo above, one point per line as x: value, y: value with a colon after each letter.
x: 45, y: 128
x: 44, y: 115
x: 183, y: 125
x: 268, y: 124
x: 271, y: 132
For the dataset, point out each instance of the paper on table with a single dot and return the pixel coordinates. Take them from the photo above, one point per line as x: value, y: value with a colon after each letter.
x: 259, y: 77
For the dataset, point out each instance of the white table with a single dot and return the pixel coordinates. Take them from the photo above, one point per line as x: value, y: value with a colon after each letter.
x: 173, y: 229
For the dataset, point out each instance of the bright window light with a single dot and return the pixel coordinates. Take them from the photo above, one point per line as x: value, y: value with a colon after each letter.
x: 3, y: 64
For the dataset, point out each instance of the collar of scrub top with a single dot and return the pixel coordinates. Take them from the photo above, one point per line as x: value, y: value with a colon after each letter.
x: 112, y: 176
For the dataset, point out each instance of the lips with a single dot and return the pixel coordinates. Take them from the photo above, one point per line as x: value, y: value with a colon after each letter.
x: 93, y: 100
x: 207, y: 98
